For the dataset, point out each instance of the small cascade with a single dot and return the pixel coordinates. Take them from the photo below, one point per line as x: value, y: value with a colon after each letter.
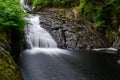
x: 25, y: 6
x: 36, y: 36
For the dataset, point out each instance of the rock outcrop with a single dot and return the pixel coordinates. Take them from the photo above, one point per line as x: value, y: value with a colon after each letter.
x: 8, y: 69
x: 69, y: 33
x: 114, y: 38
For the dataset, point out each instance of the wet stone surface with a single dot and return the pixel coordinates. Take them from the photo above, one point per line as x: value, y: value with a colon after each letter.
x: 69, y: 34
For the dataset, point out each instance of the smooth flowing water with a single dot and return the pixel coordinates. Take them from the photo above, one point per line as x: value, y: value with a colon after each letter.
x: 36, y: 36
x: 42, y: 60
x: 25, y: 6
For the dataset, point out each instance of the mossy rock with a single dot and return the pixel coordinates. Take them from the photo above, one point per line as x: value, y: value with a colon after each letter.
x: 114, y: 38
x: 5, y: 38
x: 8, y: 69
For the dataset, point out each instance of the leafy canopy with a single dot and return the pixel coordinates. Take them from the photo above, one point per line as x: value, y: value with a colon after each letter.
x: 11, y: 14
x: 56, y: 3
x: 102, y: 11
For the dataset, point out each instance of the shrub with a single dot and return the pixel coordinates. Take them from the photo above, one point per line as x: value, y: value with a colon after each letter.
x: 11, y: 14
x: 102, y: 11
x: 40, y: 2
x: 56, y: 3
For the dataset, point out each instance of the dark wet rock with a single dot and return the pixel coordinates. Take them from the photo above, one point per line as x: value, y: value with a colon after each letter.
x: 17, y: 43
x: 68, y: 33
x: 8, y: 69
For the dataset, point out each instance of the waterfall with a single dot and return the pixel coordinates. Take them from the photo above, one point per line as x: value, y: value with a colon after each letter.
x: 35, y: 35
x: 25, y: 6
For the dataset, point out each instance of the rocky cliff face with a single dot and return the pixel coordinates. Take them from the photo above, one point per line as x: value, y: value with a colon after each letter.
x: 70, y: 33
x: 8, y: 69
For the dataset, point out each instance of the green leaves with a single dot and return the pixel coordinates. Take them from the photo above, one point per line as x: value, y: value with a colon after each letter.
x: 40, y: 2
x: 56, y: 3
x: 11, y: 14
x: 102, y: 11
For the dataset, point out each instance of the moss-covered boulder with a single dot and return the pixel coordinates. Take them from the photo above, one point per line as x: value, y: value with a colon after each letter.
x: 8, y: 69
x: 113, y: 38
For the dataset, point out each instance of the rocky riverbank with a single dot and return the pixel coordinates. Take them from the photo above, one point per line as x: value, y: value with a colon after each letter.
x: 69, y: 31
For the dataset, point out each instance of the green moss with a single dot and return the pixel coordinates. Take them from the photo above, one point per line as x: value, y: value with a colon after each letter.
x: 113, y: 37
x: 8, y: 69
x: 4, y: 35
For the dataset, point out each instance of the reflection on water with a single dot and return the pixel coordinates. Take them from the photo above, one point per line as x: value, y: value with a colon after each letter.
x: 43, y: 64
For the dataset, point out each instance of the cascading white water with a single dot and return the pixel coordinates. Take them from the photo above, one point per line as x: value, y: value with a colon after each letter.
x: 25, y: 6
x: 35, y: 35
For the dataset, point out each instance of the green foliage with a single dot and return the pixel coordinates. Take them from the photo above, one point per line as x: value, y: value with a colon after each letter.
x: 11, y: 14
x: 102, y: 11
x: 56, y: 3
x: 40, y: 2
x: 65, y: 3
